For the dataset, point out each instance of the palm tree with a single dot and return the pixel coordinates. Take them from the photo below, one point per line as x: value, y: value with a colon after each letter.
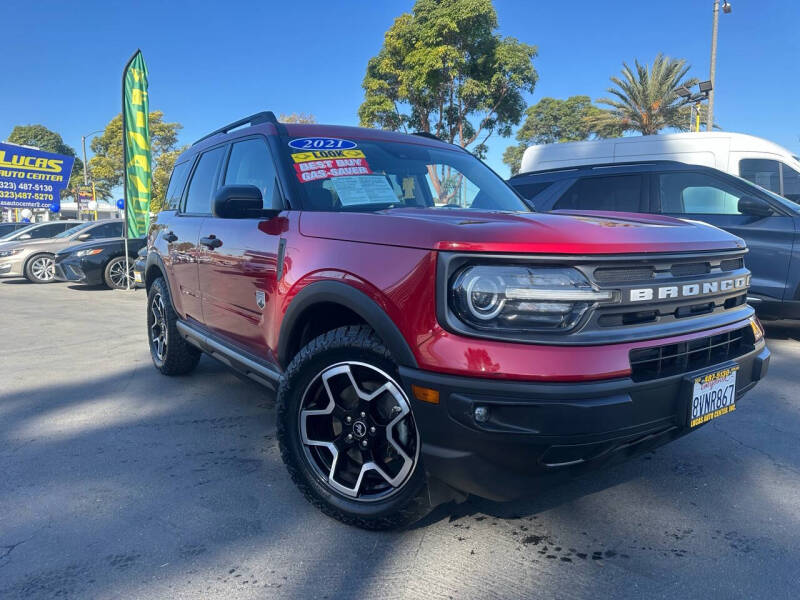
x: 646, y: 99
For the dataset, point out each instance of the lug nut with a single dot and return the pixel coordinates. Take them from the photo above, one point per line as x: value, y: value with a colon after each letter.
x: 363, y: 414
x: 348, y: 419
x: 481, y: 414
x: 372, y: 430
x: 364, y: 444
x: 349, y: 437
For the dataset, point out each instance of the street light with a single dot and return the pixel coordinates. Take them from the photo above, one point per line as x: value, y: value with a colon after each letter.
x: 695, y: 100
x: 726, y: 8
x: 83, y: 144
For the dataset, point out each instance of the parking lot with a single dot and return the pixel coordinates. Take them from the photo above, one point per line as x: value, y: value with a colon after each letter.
x: 118, y: 482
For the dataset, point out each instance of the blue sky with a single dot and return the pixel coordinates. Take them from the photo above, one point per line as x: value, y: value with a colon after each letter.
x: 213, y: 62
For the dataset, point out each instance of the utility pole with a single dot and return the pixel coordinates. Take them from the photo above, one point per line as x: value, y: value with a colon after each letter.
x: 85, y: 174
x: 714, y: 27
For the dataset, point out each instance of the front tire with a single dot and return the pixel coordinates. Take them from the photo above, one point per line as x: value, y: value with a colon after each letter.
x: 171, y: 354
x: 347, y: 434
x: 115, y: 274
x: 40, y: 268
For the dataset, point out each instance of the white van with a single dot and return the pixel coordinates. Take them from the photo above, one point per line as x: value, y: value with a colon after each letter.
x: 755, y: 159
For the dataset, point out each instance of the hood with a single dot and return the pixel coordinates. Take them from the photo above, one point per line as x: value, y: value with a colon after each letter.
x: 561, y: 232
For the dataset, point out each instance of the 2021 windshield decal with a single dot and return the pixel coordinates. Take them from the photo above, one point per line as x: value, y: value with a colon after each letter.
x: 321, y: 143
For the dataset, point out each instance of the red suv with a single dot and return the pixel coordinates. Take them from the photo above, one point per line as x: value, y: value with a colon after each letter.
x: 428, y: 334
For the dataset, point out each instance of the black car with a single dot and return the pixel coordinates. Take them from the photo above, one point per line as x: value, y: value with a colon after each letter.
x: 99, y: 262
x: 768, y: 223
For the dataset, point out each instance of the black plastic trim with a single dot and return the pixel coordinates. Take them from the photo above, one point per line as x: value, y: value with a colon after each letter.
x: 353, y: 299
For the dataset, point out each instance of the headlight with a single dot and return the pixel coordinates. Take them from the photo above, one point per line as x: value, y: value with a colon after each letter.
x: 523, y: 299
x: 91, y: 252
x: 7, y: 253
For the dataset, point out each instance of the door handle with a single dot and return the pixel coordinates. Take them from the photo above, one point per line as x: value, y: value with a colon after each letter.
x: 169, y: 236
x: 211, y: 241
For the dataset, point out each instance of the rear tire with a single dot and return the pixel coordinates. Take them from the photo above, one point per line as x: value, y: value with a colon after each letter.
x: 171, y: 354
x: 114, y: 274
x: 347, y: 435
x: 40, y: 268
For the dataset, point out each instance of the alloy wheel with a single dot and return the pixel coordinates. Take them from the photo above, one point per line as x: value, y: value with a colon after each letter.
x: 119, y: 275
x: 158, y: 327
x: 358, y: 432
x: 43, y: 268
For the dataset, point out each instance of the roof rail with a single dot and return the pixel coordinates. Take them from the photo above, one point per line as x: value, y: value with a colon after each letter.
x: 266, y: 116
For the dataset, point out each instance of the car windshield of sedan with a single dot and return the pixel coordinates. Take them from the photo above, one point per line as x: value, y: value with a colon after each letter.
x: 369, y: 175
x: 73, y: 230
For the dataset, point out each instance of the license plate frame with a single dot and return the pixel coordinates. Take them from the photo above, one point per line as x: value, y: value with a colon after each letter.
x: 717, y: 399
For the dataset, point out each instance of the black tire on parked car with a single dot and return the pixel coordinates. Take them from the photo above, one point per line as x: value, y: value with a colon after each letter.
x: 172, y: 355
x: 40, y: 268
x: 347, y: 434
x: 114, y: 274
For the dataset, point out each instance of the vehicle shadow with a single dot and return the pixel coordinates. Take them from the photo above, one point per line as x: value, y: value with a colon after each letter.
x: 89, y: 288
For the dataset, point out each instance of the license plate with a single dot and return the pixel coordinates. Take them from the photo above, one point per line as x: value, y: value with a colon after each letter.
x: 137, y: 277
x: 713, y: 395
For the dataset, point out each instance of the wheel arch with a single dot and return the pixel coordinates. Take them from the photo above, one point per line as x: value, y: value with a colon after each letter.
x: 344, y: 300
x: 32, y: 256
x: 154, y: 268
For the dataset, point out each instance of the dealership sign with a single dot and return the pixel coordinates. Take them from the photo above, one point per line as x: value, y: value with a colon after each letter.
x: 31, y: 178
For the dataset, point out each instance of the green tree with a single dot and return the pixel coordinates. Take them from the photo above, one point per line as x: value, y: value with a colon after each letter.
x: 444, y: 70
x: 297, y: 118
x: 553, y: 120
x: 646, y: 98
x: 49, y: 141
x: 106, y: 166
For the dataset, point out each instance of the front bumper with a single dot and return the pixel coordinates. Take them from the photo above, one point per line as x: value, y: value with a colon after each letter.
x: 74, y: 269
x: 12, y: 266
x: 536, y: 428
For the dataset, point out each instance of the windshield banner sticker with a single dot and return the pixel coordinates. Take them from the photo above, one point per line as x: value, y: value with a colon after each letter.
x: 325, y: 169
x: 321, y: 143
x: 299, y: 157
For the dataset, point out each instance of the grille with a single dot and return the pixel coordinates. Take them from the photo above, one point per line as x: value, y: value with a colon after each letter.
x: 623, y: 275
x: 688, y: 269
x: 684, y: 357
x: 731, y: 264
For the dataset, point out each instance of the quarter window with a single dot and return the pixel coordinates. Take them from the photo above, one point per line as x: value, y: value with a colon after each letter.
x: 176, y: 184
x: 622, y: 193
x: 697, y: 194
x: 203, y: 184
x: 763, y: 172
x: 791, y: 183
x: 251, y: 164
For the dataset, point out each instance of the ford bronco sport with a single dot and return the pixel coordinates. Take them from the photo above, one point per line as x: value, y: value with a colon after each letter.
x: 426, y: 332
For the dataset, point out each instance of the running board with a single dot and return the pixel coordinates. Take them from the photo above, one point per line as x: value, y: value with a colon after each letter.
x: 247, y: 365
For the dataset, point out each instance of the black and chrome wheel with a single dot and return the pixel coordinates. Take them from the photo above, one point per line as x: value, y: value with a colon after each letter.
x: 171, y: 354
x: 117, y: 276
x: 41, y: 268
x: 347, y: 431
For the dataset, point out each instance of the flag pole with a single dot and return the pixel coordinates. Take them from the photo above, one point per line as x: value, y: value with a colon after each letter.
x: 125, y: 172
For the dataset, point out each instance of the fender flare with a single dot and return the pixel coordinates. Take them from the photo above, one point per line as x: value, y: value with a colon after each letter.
x: 357, y: 301
x: 153, y: 260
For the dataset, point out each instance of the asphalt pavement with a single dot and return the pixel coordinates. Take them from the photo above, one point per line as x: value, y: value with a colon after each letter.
x: 118, y: 482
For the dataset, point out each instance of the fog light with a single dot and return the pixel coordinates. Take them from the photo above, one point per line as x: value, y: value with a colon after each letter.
x: 481, y: 414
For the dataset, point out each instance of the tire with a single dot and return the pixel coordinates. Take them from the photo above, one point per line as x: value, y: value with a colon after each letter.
x: 40, y: 268
x: 171, y: 354
x: 114, y: 273
x: 351, y: 364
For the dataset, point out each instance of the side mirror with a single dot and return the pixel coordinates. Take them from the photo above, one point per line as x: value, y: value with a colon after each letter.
x: 238, y: 202
x: 25, y: 236
x: 84, y: 236
x: 754, y: 207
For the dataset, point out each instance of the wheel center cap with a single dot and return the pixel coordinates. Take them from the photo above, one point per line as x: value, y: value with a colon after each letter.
x: 359, y: 429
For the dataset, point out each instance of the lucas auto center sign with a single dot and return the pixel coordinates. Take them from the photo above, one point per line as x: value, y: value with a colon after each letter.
x: 32, y: 178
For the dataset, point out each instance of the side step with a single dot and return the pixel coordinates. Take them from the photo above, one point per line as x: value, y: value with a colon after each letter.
x: 247, y: 364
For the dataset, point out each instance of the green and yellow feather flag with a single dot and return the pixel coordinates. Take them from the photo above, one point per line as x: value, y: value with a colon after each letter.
x: 136, y: 147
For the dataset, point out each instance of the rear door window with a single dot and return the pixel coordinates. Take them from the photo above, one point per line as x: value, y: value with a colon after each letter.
x: 46, y: 231
x: 620, y: 193
x: 251, y: 163
x: 204, y: 182
x: 106, y: 230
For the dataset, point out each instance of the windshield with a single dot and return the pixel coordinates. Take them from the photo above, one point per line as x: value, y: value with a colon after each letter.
x: 12, y: 235
x: 75, y: 229
x: 367, y: 175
